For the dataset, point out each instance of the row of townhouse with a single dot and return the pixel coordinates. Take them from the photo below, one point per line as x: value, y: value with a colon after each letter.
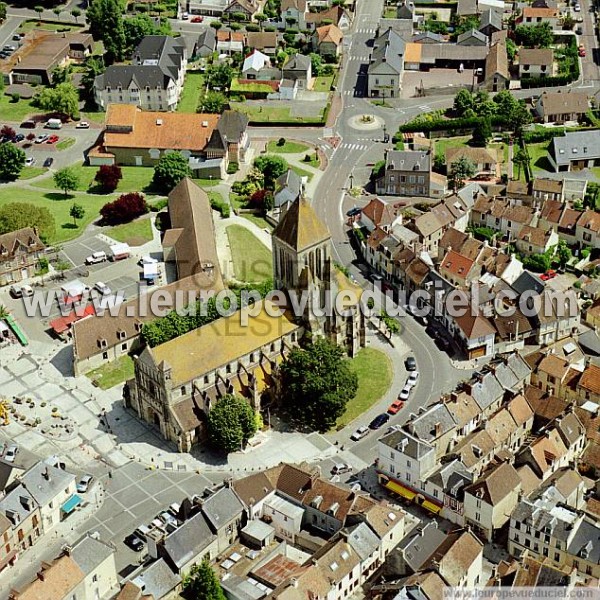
x: 471, y: 456
x: 347, y: 534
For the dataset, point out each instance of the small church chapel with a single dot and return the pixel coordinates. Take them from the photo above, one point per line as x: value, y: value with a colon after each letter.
x: 177, y: 383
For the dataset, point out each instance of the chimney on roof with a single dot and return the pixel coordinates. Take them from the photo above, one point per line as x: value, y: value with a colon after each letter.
x: 46, y: 474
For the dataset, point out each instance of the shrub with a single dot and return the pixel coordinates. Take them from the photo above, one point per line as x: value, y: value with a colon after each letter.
x: 281, y: 142
x: 108, y: 177
x: 124, y: 209
x: 233, y: 167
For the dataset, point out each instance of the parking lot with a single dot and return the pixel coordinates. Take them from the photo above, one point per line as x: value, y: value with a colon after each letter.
x: 139, y: 495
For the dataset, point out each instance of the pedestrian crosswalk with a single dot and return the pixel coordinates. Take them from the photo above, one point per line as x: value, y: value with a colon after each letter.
x: 368, y: 30
x: 363, y: 59
x: 348, y: 146
x: 352, y: 93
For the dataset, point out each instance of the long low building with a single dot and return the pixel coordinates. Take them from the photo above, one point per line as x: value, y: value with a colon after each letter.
x: 575, y: 150
x: 420, y: 57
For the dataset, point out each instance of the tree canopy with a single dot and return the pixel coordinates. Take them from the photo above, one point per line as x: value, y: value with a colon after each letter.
x: 77, y: 212
x: 66, y: 180
x: 316, y: 384
x: 62, y: 99
x: 213, y: 102
x: 271, y: 166
x: 12, y: 161
x: 170, y: 170
x: 136, y: 28
x: 231, y: 423
x: 460, y: 170
x: 539, y: 35
x: 107, y: 24
x: 17, y: 215
x: 201, y: 583
x: 219, y: 76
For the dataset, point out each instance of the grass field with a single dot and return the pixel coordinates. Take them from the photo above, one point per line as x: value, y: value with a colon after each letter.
x: 323, y: 83
x: 258, y: 221
x: 539, y: 156
x: 273, y: 113
x: 290, y: 147
x: 44, y: 26
x: 192, y: 91
x: 206, y: 182
x: 251, y: 258
x: 113, y: 373
x: 59, y: 207
x: 302, y: 172
x: 135, y: 233
x: 135, y: 179
x: 31, y: 172
x: 16, y: 111
x: 374, y: 371
x: 442, y: 144
x: 66, y: 143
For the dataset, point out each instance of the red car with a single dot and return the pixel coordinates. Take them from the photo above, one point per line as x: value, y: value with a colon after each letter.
x: 197, y: 19
x: 395, y: 406
x: 581, y: 50
x: 551, y: 274
x: 52, y: 139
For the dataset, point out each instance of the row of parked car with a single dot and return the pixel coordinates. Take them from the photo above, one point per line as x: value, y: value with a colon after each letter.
x: 166, y: 521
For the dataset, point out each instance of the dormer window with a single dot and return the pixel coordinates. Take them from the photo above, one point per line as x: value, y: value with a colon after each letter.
x: 121, y: 335
x: 102, y: 343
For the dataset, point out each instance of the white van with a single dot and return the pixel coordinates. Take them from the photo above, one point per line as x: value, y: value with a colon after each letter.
x: 54, y: 124
x: 97, y: 257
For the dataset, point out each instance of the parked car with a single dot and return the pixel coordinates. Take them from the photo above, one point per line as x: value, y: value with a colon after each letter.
x: 134, y: 542
x: 168, y: 519
x: 359, y: 434
x: 82, y: 125
x: 550, y: 274
x: 412, y: 379
x: 101, y: 287
x: 405, y: 392
x: 40, y: 139
x: 29, y: 161
x: 340, y: 468
x: 379, y: 421
x: 411, y: 364
x: 579, y: 30
x: 18, y: 138
x: 97, y: 257
x: 28, y: 125
x: 11, y: 453
x: 52, y: 139
x: 142, y: 532
x: 84, y: 484
x: 48, y: 162
x: 395, y: 406
x: 197, y: 19
x: 577, y: 8
x: 185, y: 16
x: 443, y: 344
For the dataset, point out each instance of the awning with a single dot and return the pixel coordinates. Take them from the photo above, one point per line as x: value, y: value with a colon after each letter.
x: 431, y: 507
x: 69, y: 506
x: 400, y: 489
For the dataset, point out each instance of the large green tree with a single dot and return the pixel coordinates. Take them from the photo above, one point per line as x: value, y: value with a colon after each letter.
x: 316, y: 384
x: 12, y: 161
x: 93, y: 66
x: 219, y: 76
x: 482, y: 134
x: 521, y: 160
x: 77, y: 212
x: 463, y: 101
x: 2, y: 11
x: 106, y: 23
x: 460, y: 170
x: 136, y: 28
x: 539, y: 35
x: 170, y: 170
x: 66, y: 179
x: 201, y: 583
x: 62, y: 99
x: 231, y: 423
x: 17, y: 215
x: 213, y: 103
x: 271, y: 166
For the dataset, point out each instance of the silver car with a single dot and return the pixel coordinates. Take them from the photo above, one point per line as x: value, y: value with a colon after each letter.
x: 11, y: 453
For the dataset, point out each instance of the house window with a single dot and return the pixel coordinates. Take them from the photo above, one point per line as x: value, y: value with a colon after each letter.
x: 105, y: 355
x: 183, y: 390
x: 124, y: 347
x: 556, y: 556
x: 478, y: 516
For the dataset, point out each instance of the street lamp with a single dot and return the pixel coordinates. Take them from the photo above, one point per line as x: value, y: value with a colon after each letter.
x: 385, y: 138
x: 351, y: 180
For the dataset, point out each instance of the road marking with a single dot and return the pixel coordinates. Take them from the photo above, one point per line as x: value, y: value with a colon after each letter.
x: 425, y: 107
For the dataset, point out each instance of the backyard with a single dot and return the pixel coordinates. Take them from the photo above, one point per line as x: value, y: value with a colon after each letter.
x: 267, y: 114
x: 135, y: 233
x: 192, y: 91
x: 374, y: 371
x: 323, y: 83
x: 113, y: 373
x: 251, y: 258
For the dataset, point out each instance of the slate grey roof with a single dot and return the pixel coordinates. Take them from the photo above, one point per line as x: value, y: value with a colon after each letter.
x: 471, y: 34
x: 427, y: 35
x: 221, y: 508
x: 13, y: 502
x: 586, y: 542
x: 363, y: 540
x: 491, y: 17
x: 189, y: 540
x: 259, y: 530
x: 452, y: 478
x: 156, y: 61
x: 208, y: 39
x: 388, y: 48
x: 412, y: 447
x: 519, y: 366
x: 89, y: 553
x: 486, y: 391
x: 506, y: 376
x: 590, y: 342
x: 424, y: 425
x: 45, y: 490
x: 232, y: 125
x: 287, y: 188
x: 576, y: 145
x: 527, y: 281
x: 157, y: 580
x: 418, y: 548
x: 408, y: 160
x: 298, y: 62
x: 540, y: 514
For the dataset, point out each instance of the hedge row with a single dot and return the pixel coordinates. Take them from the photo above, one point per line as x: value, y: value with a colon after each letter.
x: 466, y: 123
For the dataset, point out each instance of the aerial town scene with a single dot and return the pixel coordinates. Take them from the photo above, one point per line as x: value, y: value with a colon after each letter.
x: 299, y: 299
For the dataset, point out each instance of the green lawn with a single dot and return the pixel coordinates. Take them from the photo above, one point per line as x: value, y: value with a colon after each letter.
x: 256, y: 114
x: 251, y: 258
x: 207, y: 182
x: 374, y: 371
x: 390, y: 13
x: 289, y: 147
x: 302, y: 172
x: 45, y: 26
x: 113, y: 373
x: 258, y: 221
x: 442, y: 144
x: 323, y: 83
x: 31, y: 172
x: 192, y: 90
x: 94, y: 116
x: 262, y: 88
x: 59, y: 206
x: 66, y: 143
x: 135, y: 233
x: 16, y: 111
x: 135, y: 179
x: 539, y: 156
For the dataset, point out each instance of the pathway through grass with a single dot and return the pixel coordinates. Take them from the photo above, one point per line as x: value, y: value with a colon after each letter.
x: 251, y: 258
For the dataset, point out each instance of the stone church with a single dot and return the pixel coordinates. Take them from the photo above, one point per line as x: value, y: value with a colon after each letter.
x: 178, y: 382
